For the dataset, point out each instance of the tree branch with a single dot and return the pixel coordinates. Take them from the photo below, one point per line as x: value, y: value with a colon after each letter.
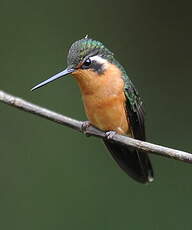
x: 77, y: 125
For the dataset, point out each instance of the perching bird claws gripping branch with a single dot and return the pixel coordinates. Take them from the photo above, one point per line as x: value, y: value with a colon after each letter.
x: 77, y: 125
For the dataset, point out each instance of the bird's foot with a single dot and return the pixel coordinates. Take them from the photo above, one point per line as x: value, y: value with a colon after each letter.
x: 84, y: 126
x: 109, y: 135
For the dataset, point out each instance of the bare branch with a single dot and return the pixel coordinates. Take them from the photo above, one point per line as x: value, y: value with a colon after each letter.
x: 77, y: 125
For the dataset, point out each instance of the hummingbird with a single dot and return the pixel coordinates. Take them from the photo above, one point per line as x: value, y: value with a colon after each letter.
x: 111, y: 102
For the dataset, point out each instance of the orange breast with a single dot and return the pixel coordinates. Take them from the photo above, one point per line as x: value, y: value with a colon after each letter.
x: 107, y: 114
x: 104, y: 99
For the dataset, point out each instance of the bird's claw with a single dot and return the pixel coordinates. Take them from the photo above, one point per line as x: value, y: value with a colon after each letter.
x: 110, y: 134
x: 84, y: 126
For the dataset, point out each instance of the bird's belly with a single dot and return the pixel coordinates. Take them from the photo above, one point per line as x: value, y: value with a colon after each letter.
x: 107, y: 114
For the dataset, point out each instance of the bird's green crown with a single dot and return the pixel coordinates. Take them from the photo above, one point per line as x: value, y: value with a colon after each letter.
x: 87, y: 47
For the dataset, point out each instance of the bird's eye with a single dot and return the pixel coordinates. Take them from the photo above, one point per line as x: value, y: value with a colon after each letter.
x: 86, y: 63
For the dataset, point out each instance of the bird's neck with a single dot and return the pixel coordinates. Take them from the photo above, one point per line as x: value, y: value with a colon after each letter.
x: 106, y: 84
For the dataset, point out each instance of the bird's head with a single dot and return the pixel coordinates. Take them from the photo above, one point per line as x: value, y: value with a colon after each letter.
x: 86, y: 58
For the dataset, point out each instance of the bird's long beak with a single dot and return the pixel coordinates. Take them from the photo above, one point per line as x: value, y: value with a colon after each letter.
x: 53, y: 78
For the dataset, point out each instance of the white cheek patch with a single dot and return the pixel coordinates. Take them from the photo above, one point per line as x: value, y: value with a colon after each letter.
x: 100, y: 60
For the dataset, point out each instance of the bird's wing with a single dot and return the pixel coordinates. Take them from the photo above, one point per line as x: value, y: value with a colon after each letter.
x: 135, y: 111
x: 134, y: 162
x: 135, y: 114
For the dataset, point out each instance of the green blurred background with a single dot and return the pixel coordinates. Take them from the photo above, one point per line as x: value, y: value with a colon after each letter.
x: 54, y: 178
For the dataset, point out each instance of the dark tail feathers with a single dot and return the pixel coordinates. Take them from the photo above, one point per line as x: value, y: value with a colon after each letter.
x: 134, y: 162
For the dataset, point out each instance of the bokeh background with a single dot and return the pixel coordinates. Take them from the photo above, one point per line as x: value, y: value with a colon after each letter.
x: 52, y: 177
